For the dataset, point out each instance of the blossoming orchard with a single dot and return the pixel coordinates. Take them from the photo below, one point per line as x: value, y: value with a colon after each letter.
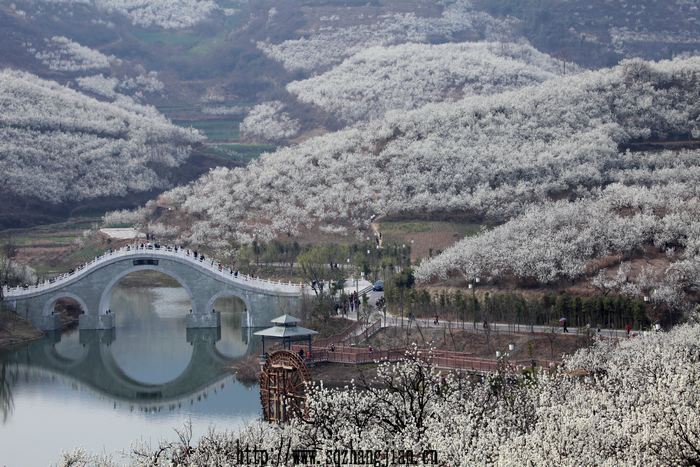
x: 473, y: 226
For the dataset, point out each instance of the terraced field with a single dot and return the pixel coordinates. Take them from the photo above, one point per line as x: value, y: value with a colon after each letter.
x: 54, y: 248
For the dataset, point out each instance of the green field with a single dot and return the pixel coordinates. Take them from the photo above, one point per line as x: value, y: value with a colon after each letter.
x: 58, y: 232
x: 167, y: 37
x: 85, y: 254
x: 50, y: 240
x: 238, y: 154
x: 215, y: 130
x: 53, y: 247
x: 173, y: 107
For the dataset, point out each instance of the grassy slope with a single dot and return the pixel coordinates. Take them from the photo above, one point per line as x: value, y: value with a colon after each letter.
x: 15, y: 330
x: 426, y: 237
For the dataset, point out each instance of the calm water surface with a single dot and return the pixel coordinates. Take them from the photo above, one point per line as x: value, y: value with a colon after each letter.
x: 101, y: 390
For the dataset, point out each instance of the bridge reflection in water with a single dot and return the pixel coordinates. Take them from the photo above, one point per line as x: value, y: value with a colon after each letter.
x: 97, y: 369
x: 104, y: 389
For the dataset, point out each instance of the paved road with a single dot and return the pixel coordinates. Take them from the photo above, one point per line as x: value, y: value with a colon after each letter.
x: 495, y: 327
x: 500, y: 327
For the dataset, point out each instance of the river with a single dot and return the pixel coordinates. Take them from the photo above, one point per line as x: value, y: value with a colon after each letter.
x: 103, y: 390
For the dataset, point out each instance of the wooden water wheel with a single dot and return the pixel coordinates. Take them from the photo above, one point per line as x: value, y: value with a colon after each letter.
x: 283, y: 381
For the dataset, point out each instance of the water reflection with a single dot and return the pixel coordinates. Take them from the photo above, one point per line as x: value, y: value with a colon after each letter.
x: 147, y: 376
x: 150, y: 323
x: 233, y: 343
x: 150, y: 356
x: 6, y: 401
x: 99, y: 370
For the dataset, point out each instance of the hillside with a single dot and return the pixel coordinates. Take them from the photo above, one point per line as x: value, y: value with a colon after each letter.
x: 484, y: 157
x: 490, y: 210
x: 408, y: 76
x: 474, y: 111
x: 545, y: 161
x: 599, y: 33
x: 58, y: 145
x: 638, y: 237
x: 332, y: 34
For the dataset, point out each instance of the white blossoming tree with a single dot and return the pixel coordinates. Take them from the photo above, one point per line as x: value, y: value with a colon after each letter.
x: 616, y: 403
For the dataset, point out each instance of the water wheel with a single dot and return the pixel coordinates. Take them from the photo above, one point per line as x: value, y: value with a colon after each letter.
x: 283, y: 382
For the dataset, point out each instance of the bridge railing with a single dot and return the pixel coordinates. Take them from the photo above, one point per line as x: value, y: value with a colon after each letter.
x: 163, y: 250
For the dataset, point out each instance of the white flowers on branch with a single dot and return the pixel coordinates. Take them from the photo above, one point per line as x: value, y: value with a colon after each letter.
x: 143, y: 83
x: 99, y: 84
x: 324, y: 47
x: 636, y: 407
x: 13, y: 273
x: 63, y: 54
x: 161, y: 230
x: 557, y: 241
x: 124, y: 217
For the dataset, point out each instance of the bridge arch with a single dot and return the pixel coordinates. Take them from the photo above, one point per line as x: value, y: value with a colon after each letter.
x: 229, y: 293
x: 50, y: 304
x: 106, y: 296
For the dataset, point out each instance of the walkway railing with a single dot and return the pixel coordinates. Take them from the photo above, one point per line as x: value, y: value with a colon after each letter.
x: 505, y: 328
x: 342, y: 336
x: 369, y: 331
x: 138, y: 251
x: 438, y: 358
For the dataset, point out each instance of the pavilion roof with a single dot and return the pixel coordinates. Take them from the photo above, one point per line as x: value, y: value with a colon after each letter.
x: 286, y: 320
x: 281, y: 332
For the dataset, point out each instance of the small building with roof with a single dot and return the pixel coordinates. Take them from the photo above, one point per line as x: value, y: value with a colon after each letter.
x: 286, y: 328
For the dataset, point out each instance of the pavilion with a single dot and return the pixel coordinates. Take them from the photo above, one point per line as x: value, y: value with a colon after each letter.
x: 286, y: 328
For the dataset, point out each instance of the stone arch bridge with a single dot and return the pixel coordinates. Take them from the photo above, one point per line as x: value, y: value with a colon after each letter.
x: 205, y: 281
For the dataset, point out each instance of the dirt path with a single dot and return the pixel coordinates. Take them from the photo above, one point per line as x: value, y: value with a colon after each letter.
x: 377, y: 234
